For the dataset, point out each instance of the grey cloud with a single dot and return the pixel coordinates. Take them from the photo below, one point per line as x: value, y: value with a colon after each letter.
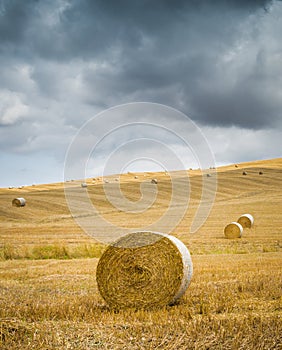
x: 14, y: 19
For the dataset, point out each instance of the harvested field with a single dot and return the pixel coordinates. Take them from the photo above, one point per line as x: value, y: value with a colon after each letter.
x: 48, y: 292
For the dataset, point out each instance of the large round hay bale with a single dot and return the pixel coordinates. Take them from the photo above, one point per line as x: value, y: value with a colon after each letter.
x: 154, y: 181
x: 246, y: 220
x: 233, y: 230
x: 144, y: 270
x: 19, y: 202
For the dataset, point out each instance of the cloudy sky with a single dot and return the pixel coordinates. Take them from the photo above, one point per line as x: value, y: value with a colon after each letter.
x: 64, y: 61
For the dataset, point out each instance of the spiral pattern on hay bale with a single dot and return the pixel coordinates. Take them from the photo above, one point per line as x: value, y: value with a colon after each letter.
x: 144, y: 270
x: 246, y: 220
x: 233, y: 230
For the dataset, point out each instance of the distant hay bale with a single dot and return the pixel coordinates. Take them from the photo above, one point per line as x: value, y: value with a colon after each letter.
x: 84, y: 184
x: 236, y: 165
x: 233, y: 230
x: 135, y: 177
x: 106, y: 181
x: 244, y: 173
x: 260, y: 173
x: 144, y: 270
x: 154, y: 181
x: 116, y: 179
x: 18, y: 202
x: 208, y: 175
x: 246, y: 220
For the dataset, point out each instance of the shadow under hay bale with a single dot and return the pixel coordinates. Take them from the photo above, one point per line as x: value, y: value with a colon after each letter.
x: 18, y: 202
x: 246, y: 220
x: 144, y: 270
x: 233, y: 230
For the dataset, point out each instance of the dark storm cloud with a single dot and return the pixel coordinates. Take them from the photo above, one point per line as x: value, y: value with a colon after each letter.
x: 169, y: 52
x: 14, y: 20
x: 174, y: 54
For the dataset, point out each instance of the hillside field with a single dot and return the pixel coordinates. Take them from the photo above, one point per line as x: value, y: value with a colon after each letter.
x: 48, y: 291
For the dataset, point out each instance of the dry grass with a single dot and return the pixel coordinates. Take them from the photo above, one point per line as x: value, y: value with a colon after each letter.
x: 48, y: 292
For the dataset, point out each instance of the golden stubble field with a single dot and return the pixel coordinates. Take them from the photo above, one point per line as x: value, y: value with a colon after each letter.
x: 48, y: 291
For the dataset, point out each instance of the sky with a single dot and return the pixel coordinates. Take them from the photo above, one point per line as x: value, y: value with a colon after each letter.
x: 64, y: 62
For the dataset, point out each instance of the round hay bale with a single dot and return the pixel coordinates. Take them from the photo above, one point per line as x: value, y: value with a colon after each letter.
x: 135, y: 177
x: 208, y: 175
x: 84, y: 184
x: 18, y: 202
x: 246, y: 220
x: 233, y: 230
x: 154, y: 181
x: 244, y: 173
x: 144, y: 270
x: 236, y: 165
x: 260, y: 173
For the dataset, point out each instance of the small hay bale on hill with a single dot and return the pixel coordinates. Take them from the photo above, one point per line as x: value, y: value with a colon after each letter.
x: 233, y: 230
x: 236, y: 165
x: 154, y: 181
x: 208, y: 175
x: 244, y: 173
x: 144, y: 270
x: 84, y: 184
x: 19, y: 202
x: 246, y: 220
x: 260, y: 173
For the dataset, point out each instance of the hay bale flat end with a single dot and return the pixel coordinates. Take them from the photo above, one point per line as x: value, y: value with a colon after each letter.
x: 246, y: 220
x: 233, y: 230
